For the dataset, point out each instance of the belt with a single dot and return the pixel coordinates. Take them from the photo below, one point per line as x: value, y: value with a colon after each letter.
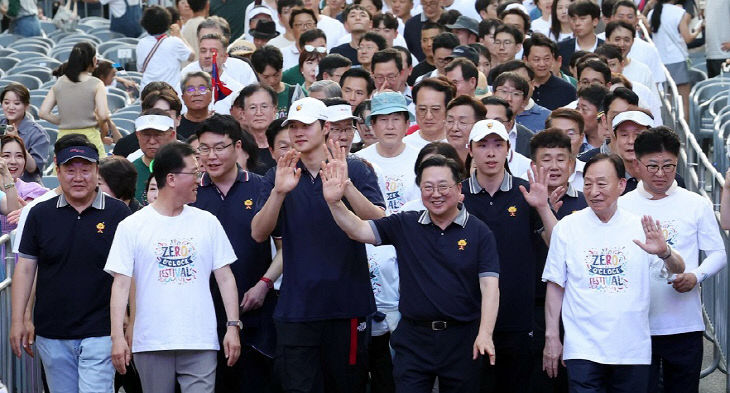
x: 437, y: 325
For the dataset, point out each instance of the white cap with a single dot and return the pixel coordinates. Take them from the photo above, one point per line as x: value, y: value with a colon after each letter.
x: 153, y: 122
x: 307, y: 110
x: 518, y: 6
x: 637, y: 117
x: 339, y: 112
x: 261, y: 9
x: 484, y: 128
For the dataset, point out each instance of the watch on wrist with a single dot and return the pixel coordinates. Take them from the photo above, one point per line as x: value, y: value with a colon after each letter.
x: 238, y: 324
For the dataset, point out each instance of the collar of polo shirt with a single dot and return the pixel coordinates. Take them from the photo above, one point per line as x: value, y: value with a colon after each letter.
x: 98, y: 203
x: 476, y: 188
x: 460, y: 219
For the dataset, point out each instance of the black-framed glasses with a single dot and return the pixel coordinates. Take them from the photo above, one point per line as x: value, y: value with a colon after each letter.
x: 654, y: 168
x: 203, y: 149
x: 198, y: 175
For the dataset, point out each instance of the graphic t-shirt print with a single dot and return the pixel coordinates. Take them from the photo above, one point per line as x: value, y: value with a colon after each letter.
x: 176, y: 261
x: 394, y: 198
x: 659, y: 271
x: 606, y: 269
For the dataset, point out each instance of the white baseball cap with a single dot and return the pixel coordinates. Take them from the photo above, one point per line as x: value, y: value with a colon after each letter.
x: 307, y: 110
x: 339, y: 112
x: 484, y: 128
x: 637, y: 117
x: 153, y: 122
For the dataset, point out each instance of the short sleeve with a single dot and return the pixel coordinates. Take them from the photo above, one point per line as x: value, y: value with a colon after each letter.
x: 556, y: 263
x: 488, y: 255
x: 29, y: 247
x: 267, y: 184
x: 708, y: 231
x: 222, y: 249
x: 121, y: 254
x: 366, y: 181
x: 387, y: 229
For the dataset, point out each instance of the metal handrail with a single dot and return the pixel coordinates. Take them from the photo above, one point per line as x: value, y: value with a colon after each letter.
x: 702, y: 177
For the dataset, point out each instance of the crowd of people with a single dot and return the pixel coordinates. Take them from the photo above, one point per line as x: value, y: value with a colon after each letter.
x: 384, y: 196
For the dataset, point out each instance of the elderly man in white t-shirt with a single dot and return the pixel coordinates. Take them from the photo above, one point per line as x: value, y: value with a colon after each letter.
x: 598, y: 278
x: 688, y: 220
x: 234, y: 73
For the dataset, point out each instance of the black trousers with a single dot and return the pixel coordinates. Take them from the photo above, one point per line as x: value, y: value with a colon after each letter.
x: 539, y: 380
x: 329, y: 356
x: 380, y: 363
x: 422, y: 354
x: 513, y: 365
x: 714, y: 67
x: 585, y: 376
x: 677, y: 358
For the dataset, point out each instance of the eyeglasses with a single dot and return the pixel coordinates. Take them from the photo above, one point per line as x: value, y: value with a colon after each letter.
x: 368, y: 48
x: 666, y: 168
x: 513, y: 94
x: 312, y: 48
x: 505, y: 43
x: 435, y: 110
x: 198, y: 175
x: 442, y: 189
x: 462, y: 125
x: 346, y: 130
x: 147, y: 135
x: 200, y: 89
x: 390, y: 78
x: 307, y: 25
x: 204, y: 149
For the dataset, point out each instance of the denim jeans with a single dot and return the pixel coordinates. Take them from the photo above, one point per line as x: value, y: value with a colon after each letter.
x: 27, y: 26
x: 83, y: 365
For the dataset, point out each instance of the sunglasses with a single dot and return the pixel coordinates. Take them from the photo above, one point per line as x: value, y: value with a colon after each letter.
x: 311, y: 48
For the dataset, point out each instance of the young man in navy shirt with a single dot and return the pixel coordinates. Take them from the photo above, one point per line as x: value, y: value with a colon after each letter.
x: 516, y: 216
x: 551, y: 151
x: 229, y: 193
x: 325, y: 294
x: 449, y: 272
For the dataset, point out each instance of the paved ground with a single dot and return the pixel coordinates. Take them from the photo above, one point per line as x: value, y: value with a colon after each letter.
x: 715, y: 382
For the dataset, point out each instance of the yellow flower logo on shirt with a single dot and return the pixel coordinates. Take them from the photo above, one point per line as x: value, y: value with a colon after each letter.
x: 248, y: 203
x: 461, y: 243
x: 512, y: 211
x: 100, y: 227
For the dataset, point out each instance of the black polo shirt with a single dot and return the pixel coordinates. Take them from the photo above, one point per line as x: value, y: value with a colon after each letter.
x: 235, y: 212
x: 439, y: 269
x: 347, y: 51
x: 72, y: 291
x: 573, y: 201
x: 554, y: 94
x: 325, y: 272
x: 515, y: 225
x: 419, y: 69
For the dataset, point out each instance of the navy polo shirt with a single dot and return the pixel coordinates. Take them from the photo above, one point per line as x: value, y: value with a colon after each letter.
x: 554, y: 94
x: 235, y: 212
x: 71, y: 248
x: 325, y: 272
x: 439, y: 269
x: 573, y: 201
x: 515, y: 225
x: 347, y: 51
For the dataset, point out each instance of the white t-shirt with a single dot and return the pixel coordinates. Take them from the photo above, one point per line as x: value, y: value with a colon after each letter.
x: 171, y: 260
x: 649, y: 55
x: 650, y: 100
x: 291, y: 56
x: 117, y: 7
x: 332, y: 28
x: 417, y: 142
x: 576, y: 178
x: 396, y: 177
x: 541, y: 25
x: 24, y: 216
x: 465, y: 7
x: 397, y: 41
x: 519, y: 164
x: 236, y: 72
x: 674, y: 49
x: 605, y: 308
x: 689, y: 225
x: 280, y: 41
x: 165, y: 63
x: 639, y: 72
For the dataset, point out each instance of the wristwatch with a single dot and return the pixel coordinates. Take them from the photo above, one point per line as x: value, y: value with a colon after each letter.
x: 239, y: 324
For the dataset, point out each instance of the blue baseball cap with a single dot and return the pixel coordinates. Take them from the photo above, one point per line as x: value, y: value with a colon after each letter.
x: 71, y: 152
x: 386, y: 103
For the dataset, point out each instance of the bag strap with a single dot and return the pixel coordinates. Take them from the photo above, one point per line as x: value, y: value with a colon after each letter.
x: 152, y: 52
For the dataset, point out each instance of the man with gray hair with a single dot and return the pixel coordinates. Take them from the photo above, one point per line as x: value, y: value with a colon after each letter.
x: 325, y: 89
x: 232, y: 72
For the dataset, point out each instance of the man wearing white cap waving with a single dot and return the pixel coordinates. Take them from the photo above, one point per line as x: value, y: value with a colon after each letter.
x: 516, y: 216
x: 154, y: 129
x: 325, y: 293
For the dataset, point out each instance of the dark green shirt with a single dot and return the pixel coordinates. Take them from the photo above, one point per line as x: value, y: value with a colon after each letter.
x: 143, y: 173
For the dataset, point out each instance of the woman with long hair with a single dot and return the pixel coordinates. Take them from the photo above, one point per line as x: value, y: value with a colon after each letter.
x: 669, y: 25
x: 80, y: 97
x: 15, y: 156
x: 560, y: 21
x: 15, y: 100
